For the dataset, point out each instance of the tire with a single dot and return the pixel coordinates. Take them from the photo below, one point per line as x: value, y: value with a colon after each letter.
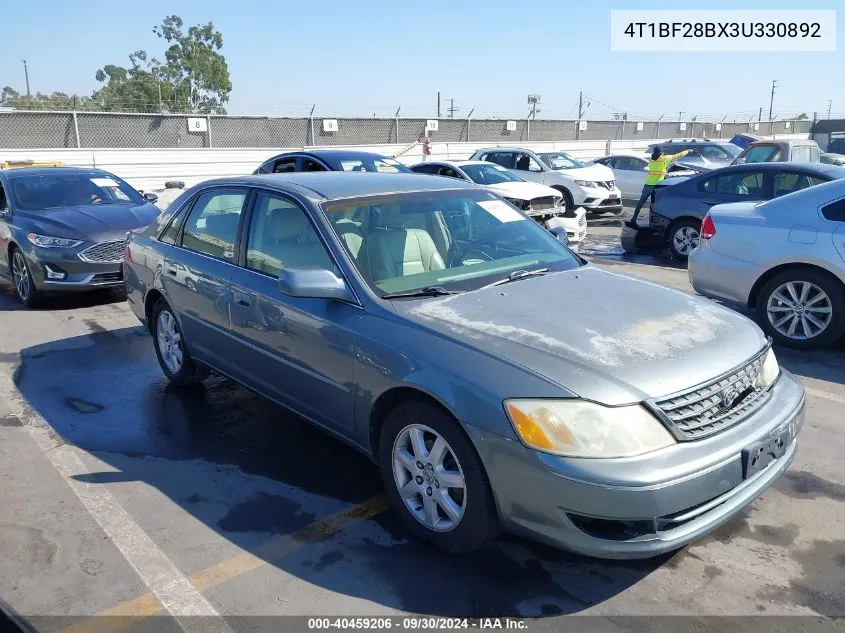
x: 682, y: 237
x: 815, y: 304
x: 568, y: 202
x: 186, y: 371
x: 25, y: 288
x: 478, y: 523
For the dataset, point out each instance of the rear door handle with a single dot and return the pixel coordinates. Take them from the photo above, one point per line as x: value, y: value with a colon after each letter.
x: 242, y: 299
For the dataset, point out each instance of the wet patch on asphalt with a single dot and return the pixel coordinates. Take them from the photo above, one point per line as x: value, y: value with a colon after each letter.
x: 822, y: 585
x: 805, y: 485
x: 265, y: 512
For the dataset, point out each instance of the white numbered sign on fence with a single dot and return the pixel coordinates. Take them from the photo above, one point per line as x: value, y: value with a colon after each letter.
x: 640, y: 126
x: 786, y: 124
x: 329, y: 125
x: 510, y: 126
x: 718, y: 126
x: 682, y: 126
x: 431, y: 125
x: 582, y: 125
x: 197, y: 124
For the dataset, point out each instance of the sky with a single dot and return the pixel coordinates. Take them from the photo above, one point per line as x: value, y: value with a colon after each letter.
x: 368, y: 58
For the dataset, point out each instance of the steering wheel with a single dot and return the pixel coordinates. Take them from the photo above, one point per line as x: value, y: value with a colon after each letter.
x: 474, y: 254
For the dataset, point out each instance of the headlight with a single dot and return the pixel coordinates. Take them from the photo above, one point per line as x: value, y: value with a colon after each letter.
x: 575, y: 428
x: 522, y: 205
x: 52, y: 242
x: 769, y: 372
x: 585, y: 183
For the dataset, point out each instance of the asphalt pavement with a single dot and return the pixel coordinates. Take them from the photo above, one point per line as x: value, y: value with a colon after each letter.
x: 121, y: 495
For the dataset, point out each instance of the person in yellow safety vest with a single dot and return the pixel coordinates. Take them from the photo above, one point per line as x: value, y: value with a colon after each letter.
x: 655, y: 172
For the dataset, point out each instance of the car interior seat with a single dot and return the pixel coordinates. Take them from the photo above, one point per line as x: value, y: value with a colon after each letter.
x: 523, y: 162
x: 290, y: 239
x: 395, y: 250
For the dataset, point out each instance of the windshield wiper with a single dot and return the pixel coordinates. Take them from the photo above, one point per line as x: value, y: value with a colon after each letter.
x: 517, y: 275
x: 428, y: 291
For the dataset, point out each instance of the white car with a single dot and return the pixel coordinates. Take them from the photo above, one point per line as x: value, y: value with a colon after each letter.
x: 592, y: 187
x: 629, y: 170
x: 541, y: 203
x: 784, y: 258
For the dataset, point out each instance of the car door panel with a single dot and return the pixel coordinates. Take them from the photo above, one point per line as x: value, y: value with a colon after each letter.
x: 839, y: 240
x: 5, y: 233
x: 296, y: 350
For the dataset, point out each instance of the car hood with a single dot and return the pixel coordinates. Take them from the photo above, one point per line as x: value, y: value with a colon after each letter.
x: 523, y: 190
x: 89, y: 222
x: 589, y: 172
x: 601, y: 336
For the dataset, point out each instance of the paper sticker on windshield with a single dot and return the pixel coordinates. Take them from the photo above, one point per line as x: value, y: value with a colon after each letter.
x: 104, y: 182
x: 501, y: 210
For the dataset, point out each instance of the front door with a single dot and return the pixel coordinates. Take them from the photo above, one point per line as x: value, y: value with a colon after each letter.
x: 299, y: 351
x: 197, y: 272
x: 5, y: 233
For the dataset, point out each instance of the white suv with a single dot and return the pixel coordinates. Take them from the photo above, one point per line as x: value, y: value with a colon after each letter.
x: 582, y: 185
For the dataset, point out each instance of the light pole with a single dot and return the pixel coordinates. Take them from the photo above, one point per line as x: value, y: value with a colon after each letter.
x: 772, y: 98
x: 26, y: 74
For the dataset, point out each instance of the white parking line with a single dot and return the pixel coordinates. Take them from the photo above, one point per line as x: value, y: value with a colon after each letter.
x: 159, y: 574
x: 819, y: 393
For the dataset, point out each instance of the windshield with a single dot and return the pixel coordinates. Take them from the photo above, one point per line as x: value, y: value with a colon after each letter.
x: 489, y: 174
x: 51, y: 191
x: 378, y: 164
x: 457, y: 240
x: 561, y: 160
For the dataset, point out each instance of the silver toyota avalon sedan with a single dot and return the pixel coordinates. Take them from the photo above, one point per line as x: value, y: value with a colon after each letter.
x: 499, y: 380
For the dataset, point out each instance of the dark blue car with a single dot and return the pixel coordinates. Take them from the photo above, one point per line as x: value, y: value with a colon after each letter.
x: 677, y: 210
x: 331, y: 160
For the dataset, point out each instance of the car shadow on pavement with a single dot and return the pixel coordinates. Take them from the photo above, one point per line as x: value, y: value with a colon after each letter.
x: 251, y: 472
x: 69, y: 301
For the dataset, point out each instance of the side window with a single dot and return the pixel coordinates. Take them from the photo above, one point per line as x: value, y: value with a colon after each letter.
x: 762, y: 154
x: 170, y: 235
x: 281, y: 236
x: 802, y: 154
x: 451, y: 173
x: 426, y: 169
x: 608, y: 162
x: 741, y: 184
x: 284, y: 165
x: 311, y: 165
x: 4, y: 203
x: 505, y: 159
x: 708, y: 185
x: 787, y: 182
x: 524, y: 162
x: 212, y: 227
x: 835, y: 211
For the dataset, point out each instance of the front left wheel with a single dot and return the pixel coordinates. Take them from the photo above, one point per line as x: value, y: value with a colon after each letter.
x: 434, y: 478
x: 22, y: 278
x: 169, y: 343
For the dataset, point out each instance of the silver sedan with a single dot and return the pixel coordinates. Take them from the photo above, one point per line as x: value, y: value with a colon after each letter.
x: 784, y: 258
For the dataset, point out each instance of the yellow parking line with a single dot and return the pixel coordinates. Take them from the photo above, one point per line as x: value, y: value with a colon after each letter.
x: 130, y: 611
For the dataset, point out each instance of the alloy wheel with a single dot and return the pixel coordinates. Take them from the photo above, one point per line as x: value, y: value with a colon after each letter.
x: 799, y: 310
x: 169, y: 341
x: 429, y: 478
x: 20, y: 274
x: 685, y: 239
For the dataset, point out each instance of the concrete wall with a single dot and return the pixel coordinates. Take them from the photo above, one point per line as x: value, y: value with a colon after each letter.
x: 149, y: 168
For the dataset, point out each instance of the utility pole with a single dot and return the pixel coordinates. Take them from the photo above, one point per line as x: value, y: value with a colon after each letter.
x: 452, y: 109
x: 533, y: 100
x: 438, y: 104
x: 829, y: 104
x: 26, y: 74
x: 772, y: 98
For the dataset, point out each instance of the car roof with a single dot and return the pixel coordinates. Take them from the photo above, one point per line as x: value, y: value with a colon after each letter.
x: 503, y: 149
x: 820, y: 168
x: 783, y: 141
x: 691, y: 141
x: 337, y: 154
x: 336, y: 184
x: 454, y: 163
x: 17, y: 172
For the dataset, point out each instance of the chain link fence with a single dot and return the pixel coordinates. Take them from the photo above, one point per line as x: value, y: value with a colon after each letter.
x: 35, y: 130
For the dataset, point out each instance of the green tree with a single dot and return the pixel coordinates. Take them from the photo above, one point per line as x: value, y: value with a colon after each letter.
x: 193, y: 77
x: 11, y: 98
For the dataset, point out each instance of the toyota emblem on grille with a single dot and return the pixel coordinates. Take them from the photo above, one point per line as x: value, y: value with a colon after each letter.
x: 729, y: 397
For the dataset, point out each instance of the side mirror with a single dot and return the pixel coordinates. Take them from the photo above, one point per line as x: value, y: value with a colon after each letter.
x: 313, y: 283
x: 150, y: 197
x: 560, y: 234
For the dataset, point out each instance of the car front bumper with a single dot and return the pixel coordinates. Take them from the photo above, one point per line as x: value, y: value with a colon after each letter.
x: 58, y: 270
x: 644, y: 506
x: 597, y: 199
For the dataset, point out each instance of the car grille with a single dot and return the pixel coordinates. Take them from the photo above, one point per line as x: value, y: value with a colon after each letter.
x: 542, y: 204
x: 104, y: 252
x: 707, y: 410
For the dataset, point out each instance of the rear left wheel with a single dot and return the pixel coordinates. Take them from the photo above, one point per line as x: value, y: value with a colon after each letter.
x: 435, y: 479
x: 169, y: 343
x: 683, y: 237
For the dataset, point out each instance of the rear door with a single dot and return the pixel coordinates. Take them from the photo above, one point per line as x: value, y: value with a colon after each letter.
x: 197, y: 271
x: 785, y: 182
x: 733, y: 186
x: 630, y: 173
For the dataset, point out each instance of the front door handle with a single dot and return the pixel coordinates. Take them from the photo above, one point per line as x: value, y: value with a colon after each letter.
x: 241, y: 299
